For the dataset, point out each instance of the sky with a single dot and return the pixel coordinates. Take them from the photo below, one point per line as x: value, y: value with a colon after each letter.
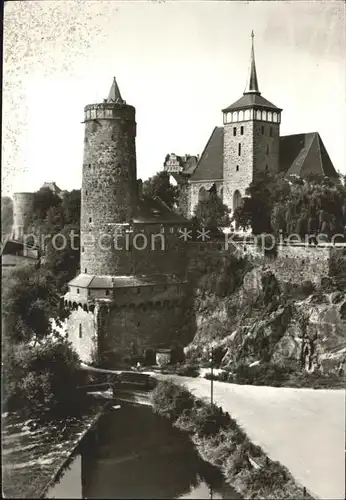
x: 179, y: 63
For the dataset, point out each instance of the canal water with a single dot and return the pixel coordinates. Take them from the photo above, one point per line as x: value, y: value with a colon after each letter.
x: 133, y: 453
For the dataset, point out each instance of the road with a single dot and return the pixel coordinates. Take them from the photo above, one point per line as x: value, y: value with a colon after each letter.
x: 303, y: 429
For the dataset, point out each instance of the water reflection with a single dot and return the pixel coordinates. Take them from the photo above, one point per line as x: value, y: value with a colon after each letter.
x: 136, y: 454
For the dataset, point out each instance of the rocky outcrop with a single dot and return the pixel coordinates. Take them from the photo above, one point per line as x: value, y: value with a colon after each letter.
x: 265, y: 320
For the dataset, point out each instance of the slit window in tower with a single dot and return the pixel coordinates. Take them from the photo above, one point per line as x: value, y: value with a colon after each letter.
x: 237, y: 168
x: 239, y: 149
x: 82, y: 249
x: 85, y: 270
x: 80, y: 330
x: 90, y: 219
x: 86, y: 192
x: 262, y: 129
x: 77, y: 290
x: 234, y: 131
x: 241, y: 130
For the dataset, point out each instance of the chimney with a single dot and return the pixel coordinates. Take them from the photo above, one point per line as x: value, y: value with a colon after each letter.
x: 139, y: 188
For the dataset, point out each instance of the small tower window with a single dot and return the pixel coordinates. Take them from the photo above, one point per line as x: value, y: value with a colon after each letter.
x: 237, y: 168
x: 90, y: 219
x: 241, y: 130
x: 86, y: 192
x: 262, y: 129
x: 82, y: 249
x: 107, y: 292
x: 234, y: 131
x: 267, y: 149
x: 80, y: 330
x: 77, y: 290
x: 89, y: 165
x: 85, y: 271
x: 239, y: 149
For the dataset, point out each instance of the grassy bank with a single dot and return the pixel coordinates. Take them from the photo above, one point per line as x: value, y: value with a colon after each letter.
x: 34, y: 452
x: 221, y: 441
x: 269, y: 374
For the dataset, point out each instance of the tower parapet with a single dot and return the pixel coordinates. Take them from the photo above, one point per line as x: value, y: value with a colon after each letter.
x: 23, y: 207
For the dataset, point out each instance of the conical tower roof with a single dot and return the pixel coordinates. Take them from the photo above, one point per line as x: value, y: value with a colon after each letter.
x: 252, y: 83
x: 114, y: 93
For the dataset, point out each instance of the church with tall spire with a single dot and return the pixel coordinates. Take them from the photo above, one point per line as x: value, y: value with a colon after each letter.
x: 249, y: 143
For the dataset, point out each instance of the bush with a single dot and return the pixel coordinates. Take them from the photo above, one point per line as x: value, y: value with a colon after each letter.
x: 43, y: 379
x: 170, y: 399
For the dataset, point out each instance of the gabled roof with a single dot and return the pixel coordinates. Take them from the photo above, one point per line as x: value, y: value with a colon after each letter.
x: 305, y: 154
x: 155, y: 211
x: 249, y: 100
x: 210, y: 165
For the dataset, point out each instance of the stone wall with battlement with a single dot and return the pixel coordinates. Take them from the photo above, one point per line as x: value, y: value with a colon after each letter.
x: 145, y: 317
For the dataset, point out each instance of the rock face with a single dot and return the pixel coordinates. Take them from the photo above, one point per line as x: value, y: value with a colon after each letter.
x: 265, y: 320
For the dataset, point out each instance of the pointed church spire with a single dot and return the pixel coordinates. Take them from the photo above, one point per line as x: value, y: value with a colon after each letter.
x: 252, y: 83
x: 114, y: 93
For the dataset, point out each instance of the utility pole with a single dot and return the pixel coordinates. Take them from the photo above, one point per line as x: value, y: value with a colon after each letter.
x: 211, y: 360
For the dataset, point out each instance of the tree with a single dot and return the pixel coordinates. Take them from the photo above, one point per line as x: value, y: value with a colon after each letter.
x: 6, y: 215
x: 256, y: 209
x: 159, y: 185
x: 43, y: 378
x: 212, y: 213
x: 30, y: 304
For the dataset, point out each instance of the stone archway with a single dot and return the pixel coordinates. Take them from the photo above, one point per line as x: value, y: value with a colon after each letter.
x: 236, y: 200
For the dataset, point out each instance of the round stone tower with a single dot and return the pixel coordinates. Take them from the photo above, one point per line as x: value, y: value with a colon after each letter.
x: 109, y: 185
x: 23, y: 207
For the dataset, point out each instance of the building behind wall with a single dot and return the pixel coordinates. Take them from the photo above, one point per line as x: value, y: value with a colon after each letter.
x: 131, y: 295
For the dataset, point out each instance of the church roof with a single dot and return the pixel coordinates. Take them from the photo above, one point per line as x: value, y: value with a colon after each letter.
x: 300, y: 154
x: 252, y: 83
x: 248, y: 100
x: 210, y: 165
x: 304, y: 154
x: 252, y: 96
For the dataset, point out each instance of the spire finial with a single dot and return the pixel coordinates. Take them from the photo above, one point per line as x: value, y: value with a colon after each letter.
x: 114, y: 93
x: 252, y: 84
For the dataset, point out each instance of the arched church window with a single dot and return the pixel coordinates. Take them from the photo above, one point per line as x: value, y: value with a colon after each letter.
x: 235, y: 116
x: 247, y: 115
x: 241, y: 116
x: 236, y: 200
x: 264, y: 115
x: 258, y: 115
x: 93, y: 113
x: 270, y: 116
x: 229, y: 117
x: 275, y: 117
